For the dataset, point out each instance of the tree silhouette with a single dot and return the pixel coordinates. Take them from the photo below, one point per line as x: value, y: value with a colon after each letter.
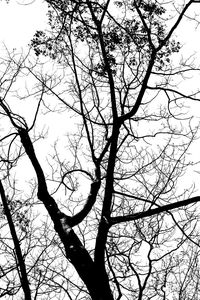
x: 111, y: 184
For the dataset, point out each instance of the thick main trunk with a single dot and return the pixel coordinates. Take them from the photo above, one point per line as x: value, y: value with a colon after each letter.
x: 104, y: 225
x: 95, y: 280
x: 76, y: 253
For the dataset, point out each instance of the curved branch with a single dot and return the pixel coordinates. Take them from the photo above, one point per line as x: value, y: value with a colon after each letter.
x: 80, y: 216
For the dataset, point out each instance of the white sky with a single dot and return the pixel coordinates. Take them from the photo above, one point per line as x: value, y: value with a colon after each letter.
x: 18, y: 22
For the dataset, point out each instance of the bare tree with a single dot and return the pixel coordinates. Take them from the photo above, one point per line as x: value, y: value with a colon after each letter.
x: 112, y: 184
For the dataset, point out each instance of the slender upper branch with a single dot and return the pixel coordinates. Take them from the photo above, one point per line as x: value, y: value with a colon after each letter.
x: 155, y: 211
x: 106, y: 61
x: 181, y: 15
x: 138, y: 102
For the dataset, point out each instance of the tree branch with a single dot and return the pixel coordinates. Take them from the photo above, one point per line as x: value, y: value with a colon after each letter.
x: 22, y: 267
x: 152, y: 212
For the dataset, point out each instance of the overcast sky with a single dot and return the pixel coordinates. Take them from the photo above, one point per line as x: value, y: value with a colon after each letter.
x: 18, y: 22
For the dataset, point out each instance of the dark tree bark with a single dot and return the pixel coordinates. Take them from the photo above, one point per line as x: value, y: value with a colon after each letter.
x: 21, y: 263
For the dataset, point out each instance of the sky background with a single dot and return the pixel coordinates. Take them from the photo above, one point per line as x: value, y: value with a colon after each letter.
x: 18, y: 22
